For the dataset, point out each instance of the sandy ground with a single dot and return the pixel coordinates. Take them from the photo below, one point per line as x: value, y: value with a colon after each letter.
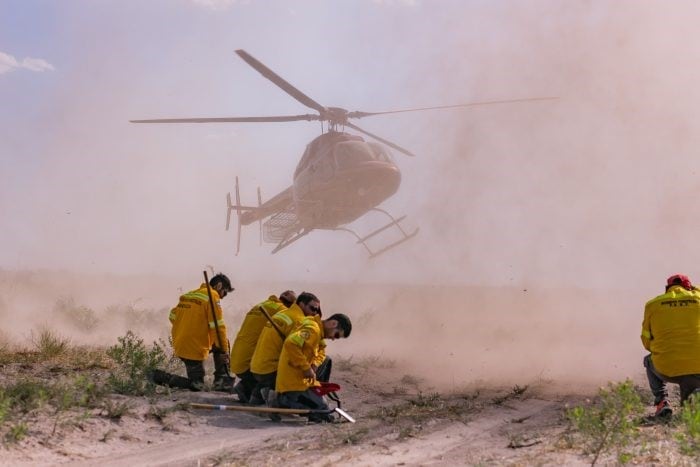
x: 399, y: 422
x: 434, y: 375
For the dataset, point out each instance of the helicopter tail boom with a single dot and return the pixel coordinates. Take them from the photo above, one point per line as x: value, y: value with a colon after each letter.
x: 246, y: 215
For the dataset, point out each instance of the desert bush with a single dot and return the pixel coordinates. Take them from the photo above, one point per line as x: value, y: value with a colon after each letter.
x: 48, y: 344
x: 134, y: 360
x: 611, y: 422
x: 82, y: 317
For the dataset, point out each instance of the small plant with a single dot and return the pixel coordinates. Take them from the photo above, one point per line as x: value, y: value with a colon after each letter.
x: 689, y: 436
x: 17, y: 432
x: 115, y: 410
x: 611, y: 423
x: 134, y: 360
x: 356, y: 436
x: 49, y: 345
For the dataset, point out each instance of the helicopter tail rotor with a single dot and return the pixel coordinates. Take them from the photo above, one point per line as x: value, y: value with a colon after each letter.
x: 235, y: 207
x: 238, y: 216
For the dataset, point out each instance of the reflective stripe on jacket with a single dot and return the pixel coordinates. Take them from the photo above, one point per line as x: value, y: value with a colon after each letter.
x: 247, y: 337
x: 194, y: 329
x: 671, y: 331
x: 269, y: 346
x: 298, y: 353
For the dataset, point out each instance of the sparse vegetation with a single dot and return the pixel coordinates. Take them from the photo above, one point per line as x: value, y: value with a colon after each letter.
x: 689, y: 435
x: 16, y: 432
x: 611, y: 422
x: 425, y: 407
x: 49, y: 344
x: 515, y: 392
x: 82, y: 317
x: 115, y: 410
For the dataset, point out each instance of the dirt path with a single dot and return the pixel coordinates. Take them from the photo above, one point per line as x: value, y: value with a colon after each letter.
x: 409, y: 425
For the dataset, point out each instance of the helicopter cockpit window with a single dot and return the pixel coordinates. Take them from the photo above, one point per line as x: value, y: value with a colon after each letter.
x: 380, y: 153
x: 350, y: 153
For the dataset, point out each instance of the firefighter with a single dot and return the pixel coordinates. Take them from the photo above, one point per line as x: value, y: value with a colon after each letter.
x: 247, y: 338
x: 263, y: 365
x: 671, y: 332
x: 194, y: 335
x: 296, y: 375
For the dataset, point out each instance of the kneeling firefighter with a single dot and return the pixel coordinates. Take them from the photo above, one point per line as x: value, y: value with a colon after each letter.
x: 198, y: 329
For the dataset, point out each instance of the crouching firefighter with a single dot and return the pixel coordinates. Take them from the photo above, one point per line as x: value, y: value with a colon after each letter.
x: 296, y: 378
x: 198, y: 329
x: 247, y: 339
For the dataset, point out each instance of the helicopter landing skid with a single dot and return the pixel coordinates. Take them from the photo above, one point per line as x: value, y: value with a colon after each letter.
x: 394, y: 222
x: 289, y: 240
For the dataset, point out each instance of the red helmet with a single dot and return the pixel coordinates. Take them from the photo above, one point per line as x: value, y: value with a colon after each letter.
x: 679, y: 279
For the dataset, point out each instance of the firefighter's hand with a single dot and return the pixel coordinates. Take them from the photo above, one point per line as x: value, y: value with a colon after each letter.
x: 309, y: 373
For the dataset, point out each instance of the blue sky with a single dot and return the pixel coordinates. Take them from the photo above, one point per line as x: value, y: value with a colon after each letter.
x: 575, y: 191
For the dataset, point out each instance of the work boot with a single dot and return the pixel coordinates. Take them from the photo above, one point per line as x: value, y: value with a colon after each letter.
x: 224, y: 384
x: 163, y: 378
x: 271, y: 400
x: 196, y: 386
x: 240, y: 392
x: 321, y: 418
x: 663, y: 410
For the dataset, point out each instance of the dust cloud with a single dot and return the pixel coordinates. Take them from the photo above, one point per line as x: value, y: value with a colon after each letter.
x: 544, y: 227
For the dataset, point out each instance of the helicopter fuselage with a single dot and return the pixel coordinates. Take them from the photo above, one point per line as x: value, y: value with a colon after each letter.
x: 339, y: 178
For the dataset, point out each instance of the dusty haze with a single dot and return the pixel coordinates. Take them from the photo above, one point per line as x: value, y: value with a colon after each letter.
x: 544, y: 227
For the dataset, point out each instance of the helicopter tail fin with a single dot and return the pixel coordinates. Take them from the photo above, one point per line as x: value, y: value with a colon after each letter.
x: 240, y: 210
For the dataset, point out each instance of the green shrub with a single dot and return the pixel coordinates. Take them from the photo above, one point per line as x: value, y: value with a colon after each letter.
x: 26, y: 395
x: 611, y: 423
x: 134, y: 360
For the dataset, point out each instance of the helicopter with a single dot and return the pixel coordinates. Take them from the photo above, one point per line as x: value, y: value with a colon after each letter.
x: 339, y: 178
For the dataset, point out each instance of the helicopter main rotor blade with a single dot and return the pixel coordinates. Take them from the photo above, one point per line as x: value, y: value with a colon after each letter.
x: 359, y: 114
x: 279, y: 118
x: 275, y: 78
x: 388, y: 143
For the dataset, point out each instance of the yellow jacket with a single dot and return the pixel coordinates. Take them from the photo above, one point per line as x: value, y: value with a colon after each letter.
x: 299, y: 352
x: 194, y: 331
x: 269, y: 346
x: 247, y: 337
x: 671, y: 331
